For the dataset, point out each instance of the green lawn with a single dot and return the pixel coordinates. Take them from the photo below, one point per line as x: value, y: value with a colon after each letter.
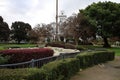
x: 6, y: 46
x: 116, y: 49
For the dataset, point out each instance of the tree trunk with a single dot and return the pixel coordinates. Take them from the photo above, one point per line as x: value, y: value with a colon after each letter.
x: 106, y: 44
x: 76, y: 41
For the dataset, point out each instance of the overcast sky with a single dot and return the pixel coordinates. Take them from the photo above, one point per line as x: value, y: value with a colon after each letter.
x: 40, y: 11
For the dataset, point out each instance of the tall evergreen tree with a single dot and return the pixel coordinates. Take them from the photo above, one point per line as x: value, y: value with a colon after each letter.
x: 4, y: 30
x: 106, y: 17
x: 20, y: 31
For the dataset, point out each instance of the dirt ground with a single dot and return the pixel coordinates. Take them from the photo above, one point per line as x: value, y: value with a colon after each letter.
x: 106, y: 71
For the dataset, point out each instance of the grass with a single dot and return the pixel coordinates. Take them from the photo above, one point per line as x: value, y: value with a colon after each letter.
x: 115, y: 49
x: 6, y: 46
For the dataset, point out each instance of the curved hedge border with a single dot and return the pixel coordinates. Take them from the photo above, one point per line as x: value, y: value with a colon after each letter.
x: 88, y: 59
x: 59, y: 70
x: 22, y: 55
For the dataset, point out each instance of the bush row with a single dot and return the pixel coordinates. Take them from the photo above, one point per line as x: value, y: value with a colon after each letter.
x: 64, y: 45
x: 57, y: 70
x: 17, y: 74
x: 22, y: 55
x: 60, y: 69
x: 88, y: 59
x: 56, y: 44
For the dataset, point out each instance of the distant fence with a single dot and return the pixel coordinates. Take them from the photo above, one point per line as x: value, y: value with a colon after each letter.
x: 39, y: 62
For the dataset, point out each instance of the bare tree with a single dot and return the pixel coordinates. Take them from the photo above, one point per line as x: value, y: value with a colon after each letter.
x: 41, y: 32
x: 76, y: 27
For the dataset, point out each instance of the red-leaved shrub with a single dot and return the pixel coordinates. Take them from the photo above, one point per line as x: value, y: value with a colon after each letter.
x: 22, y: 55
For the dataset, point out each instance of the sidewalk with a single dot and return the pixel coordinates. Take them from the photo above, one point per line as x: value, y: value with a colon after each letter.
x: 106, y: 71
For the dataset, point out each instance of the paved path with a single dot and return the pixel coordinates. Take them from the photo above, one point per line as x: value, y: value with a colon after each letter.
x: 106, y: 71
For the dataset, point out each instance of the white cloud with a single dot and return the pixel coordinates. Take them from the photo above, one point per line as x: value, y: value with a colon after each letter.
x: 39, y: 11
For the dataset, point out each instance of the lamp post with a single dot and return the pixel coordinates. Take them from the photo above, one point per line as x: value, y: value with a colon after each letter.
x: 56, y: 38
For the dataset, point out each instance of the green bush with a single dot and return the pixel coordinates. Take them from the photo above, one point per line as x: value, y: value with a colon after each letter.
x: 80, y: 48
x: 85, y: 60
x: 62, y: 70
x: 16, y: 74
x: 70, y: 46
x: 4, y: 59
x: 88, y: 59
x: 37, y: 74
x: 59, y: 69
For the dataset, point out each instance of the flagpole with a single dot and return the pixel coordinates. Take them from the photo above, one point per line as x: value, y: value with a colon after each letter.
x: 56, y: 20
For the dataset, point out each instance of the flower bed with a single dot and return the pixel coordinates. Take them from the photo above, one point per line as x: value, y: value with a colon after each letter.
x: 21, y: 55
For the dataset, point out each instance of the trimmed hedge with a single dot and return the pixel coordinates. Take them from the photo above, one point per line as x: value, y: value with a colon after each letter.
x: 64, y: 45
x: 59, y: 69
x: 16, y: 74
x: 61, y: 45
x: 88, y: 59
x: 56, y: 44
x: 22, y: 55
x: 4, y: 60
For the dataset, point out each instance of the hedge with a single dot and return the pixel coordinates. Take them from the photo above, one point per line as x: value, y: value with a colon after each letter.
x: 16, y: 74
x: 22, y: 55
x: 59, y: 69
x: 88, y: 59
x: 65, y: 45
x: 56, y: 44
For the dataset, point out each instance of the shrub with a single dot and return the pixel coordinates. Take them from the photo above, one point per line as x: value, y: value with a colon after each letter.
x: 70, y: 46
x: 21, y: 55
x: 17, y: 74
x: 80, y: 48
x: 88, y: 59
x: 57, y: 70
x: 4, y: 59
x: 61, y: 45
x: 61, y: 70
x: 56, y: 44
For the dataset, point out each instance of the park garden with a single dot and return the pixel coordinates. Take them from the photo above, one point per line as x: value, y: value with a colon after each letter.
x: 87, y: 39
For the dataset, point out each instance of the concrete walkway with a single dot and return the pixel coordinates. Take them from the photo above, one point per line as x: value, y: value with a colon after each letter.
x: 106, y: 71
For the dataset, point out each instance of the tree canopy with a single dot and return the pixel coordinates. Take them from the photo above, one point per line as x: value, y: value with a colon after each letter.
x: 4, y: 30
x: 20, y: 31
x: 40, y: 32
x: 105, y: 16
x: 76, y: 27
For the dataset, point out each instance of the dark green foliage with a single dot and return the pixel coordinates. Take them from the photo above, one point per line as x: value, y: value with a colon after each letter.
x: 56, y: 44
x: 59, y: 69
x: 105, y: 16
x: 20, y: 31
x: 4, y: 30
x: 80, y: 48
x: 61, y: 45
x: 37, y: 74
x: 4, y: 59
x: 16, y: 74
x: 88, y: 59
x: 63, y: 69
